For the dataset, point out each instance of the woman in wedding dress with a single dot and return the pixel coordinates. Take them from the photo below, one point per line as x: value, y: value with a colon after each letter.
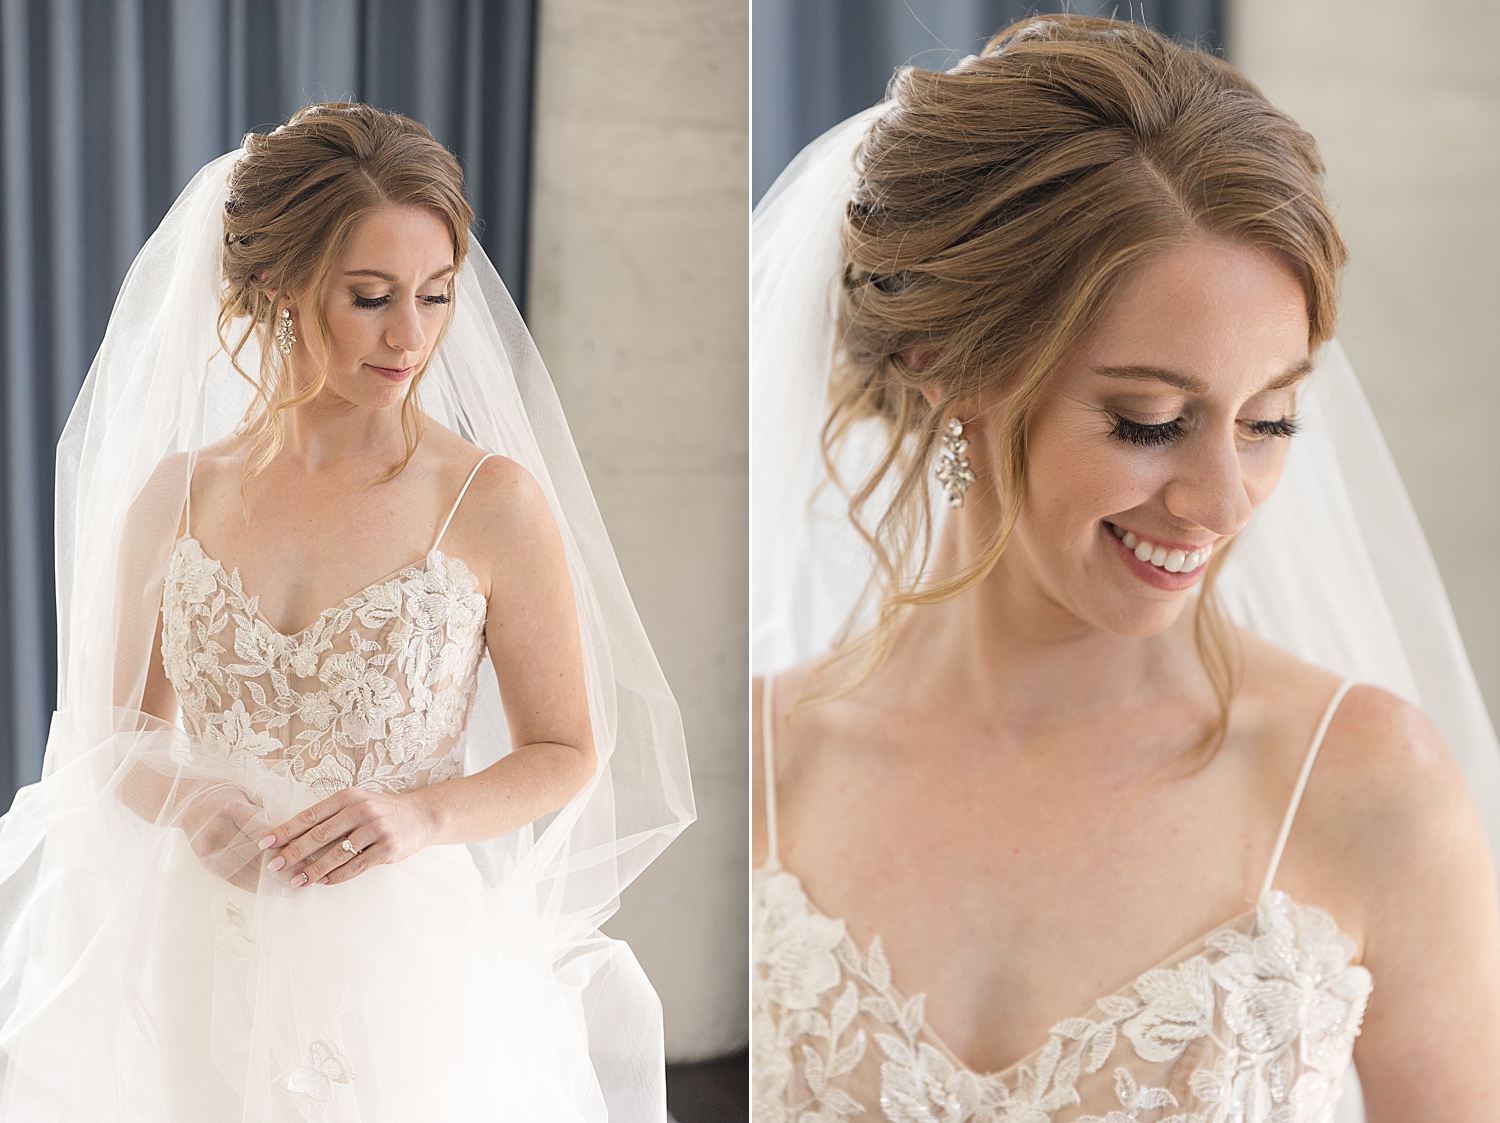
x: 297, y: 852
x: 1044, y: 834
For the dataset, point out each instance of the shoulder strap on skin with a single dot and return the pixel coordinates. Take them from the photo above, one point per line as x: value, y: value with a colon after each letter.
x: 767, y: 748
x: 454, y: 510
x: 1307, y: 764
x: 188, y: 513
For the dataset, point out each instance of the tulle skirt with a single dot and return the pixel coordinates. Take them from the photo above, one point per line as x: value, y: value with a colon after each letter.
x: 140, y: 986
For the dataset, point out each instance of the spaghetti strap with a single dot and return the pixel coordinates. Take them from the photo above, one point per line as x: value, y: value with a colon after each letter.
x: 187, y: 529
x: 772, y: 855
x: 454, y: 510
x: 1307, y: 764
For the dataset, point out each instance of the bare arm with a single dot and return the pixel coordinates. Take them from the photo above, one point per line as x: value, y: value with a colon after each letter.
x: 534, y: 646
x: 1430, y: 1046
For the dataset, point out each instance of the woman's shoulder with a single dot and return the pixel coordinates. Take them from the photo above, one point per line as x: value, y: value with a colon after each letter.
x: 500, y: 486
x: 172, y: 469
x: 772, y: 698
x: 1388, y: 743
x: 1387, y: 777
x: 1385, y: 795
x: 806, y: 697
x: 175, y: 472
x: 503, y: 522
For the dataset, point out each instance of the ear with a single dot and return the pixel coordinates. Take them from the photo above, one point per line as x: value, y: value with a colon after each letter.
x: 920, y: 357
x: 288, y: 302
x: 972, y: 410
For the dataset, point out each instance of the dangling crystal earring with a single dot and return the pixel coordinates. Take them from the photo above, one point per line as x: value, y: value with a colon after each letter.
x: 953, y: 470
x: 286, y: 336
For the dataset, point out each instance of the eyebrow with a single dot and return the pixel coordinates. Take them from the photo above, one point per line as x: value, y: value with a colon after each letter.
x: 443, y: 272
x: 1190, y: 385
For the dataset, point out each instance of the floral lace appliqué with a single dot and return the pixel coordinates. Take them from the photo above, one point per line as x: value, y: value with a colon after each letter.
x: 374, y: 693
x: 1253, y: 1024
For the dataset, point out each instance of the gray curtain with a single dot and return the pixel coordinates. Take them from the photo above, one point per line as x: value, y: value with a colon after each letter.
x: 815, y: 62
x: 107, y: 108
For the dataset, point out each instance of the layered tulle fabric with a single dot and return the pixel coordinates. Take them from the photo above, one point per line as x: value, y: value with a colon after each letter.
x: 150, y: 967
x: 192, y: 995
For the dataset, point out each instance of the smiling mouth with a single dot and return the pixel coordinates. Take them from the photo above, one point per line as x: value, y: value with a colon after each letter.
x: 1167, y: 558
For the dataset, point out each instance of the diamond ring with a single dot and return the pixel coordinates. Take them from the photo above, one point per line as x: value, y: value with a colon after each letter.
x: 349, y: 846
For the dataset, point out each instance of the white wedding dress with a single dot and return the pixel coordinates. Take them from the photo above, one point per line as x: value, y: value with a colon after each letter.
x: 1253, y: 1022
x: 397, y: 996
x: 151, y: 969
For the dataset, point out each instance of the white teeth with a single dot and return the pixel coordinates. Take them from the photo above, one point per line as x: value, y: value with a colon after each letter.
x: 1172, y: 560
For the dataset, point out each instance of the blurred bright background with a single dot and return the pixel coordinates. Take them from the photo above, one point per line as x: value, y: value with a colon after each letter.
x: 606, y: 154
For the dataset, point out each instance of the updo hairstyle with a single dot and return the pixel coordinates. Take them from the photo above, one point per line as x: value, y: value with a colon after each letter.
x: 295, y: 196
x: 998, y: 208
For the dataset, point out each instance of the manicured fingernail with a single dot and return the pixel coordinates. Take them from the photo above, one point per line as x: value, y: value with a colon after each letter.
x: 303, y: 880
x: 323, y: 881
x: 276, y: 864
x: 268, y: 842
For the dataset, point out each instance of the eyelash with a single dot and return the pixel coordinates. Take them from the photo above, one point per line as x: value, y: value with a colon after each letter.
x: 382, y: 301
x: 1149, y: 436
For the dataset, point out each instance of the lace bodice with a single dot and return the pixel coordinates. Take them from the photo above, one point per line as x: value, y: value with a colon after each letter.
x: 374, y: 693
x: 1253, y: 1023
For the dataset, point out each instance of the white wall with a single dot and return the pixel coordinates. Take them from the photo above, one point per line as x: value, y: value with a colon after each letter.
x: 1404, y: 99
x: 637, y: 297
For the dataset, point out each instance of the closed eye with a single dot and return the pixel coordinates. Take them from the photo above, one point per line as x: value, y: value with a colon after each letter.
x: 382, y: 301
x: 1282, y: 427
x: 1147, y: 436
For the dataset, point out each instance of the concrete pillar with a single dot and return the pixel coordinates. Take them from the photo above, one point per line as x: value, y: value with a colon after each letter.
x: 638, y: 295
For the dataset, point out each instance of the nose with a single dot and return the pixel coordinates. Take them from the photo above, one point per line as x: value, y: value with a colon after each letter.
x: 1208, y: 487
x: 403, y: 330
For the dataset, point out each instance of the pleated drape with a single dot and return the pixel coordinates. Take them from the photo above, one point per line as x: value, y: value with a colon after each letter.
x: 107, y: 108
x: 816, y: 62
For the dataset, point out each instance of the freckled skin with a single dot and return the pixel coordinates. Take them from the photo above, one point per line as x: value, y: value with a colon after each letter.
x: 1044, y: 716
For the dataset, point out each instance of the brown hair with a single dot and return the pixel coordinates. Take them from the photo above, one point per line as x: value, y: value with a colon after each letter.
x: 295, y: 197
x: 998, y: 207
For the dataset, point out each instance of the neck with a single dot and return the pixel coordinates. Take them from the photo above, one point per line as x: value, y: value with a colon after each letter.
x: 329, y: 431
x: 1012, y: 657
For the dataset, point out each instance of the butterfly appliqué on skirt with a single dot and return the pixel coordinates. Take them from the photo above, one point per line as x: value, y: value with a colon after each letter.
x: 313, y: 1082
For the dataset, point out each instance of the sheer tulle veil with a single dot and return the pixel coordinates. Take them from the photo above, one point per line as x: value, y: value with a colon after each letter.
x: 1334, y: 566
x: 78, y: 854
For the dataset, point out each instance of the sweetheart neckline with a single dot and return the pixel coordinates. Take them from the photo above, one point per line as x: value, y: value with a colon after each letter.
x: 316, y: 620
x: 1004, y: 1075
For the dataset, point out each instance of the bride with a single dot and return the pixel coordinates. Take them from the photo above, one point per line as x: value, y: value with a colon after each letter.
x: 1045, y: 834
x: 296, y: 853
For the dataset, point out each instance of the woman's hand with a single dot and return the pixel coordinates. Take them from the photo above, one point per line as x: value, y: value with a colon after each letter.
x: 382, y: 828
x: 222, y: 826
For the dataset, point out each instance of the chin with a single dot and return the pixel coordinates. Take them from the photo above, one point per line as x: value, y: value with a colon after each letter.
x: 367, y: 396
x: 1141, y: 618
